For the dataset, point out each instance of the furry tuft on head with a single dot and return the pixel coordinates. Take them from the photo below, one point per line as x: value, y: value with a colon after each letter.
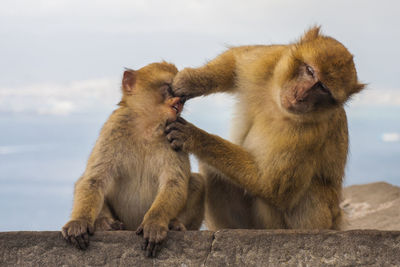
x: 310, y: 35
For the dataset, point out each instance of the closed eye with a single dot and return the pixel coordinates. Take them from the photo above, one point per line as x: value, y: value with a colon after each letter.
x: 169, y: 90
x: 310, y: 70
x: 166, y: 91
x: 323, y: 88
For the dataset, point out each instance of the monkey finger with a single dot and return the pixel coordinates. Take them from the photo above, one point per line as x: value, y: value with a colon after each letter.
x: 117, y: 225
x: 156, y: 249
x: 85, y: 238
x: 90, y: 229
x: 74, y: 242
x: 64, y: 233
x: 145, y: 244
x: 174, y: 135
x: 150, y: 248
x: 176, y: 145
x: 80, y: 242
x: 181, y: 120
x: 173, y: 126
x: 69, y: 240
x: 160, y: 236
x: 139, y: 231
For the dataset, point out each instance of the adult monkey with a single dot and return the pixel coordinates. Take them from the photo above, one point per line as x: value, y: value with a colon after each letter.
x: 286, y: 165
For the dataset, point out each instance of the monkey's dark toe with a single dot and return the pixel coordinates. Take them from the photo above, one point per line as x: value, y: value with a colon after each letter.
x: 150, y: 249
x: 117, y: 225
x: 139, y: 231
x: 80, y: 242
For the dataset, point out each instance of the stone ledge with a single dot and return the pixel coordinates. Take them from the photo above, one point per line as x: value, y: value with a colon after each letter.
x: 206, y: 248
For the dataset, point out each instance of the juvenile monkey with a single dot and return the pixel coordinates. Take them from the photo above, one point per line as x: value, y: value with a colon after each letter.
x: 133, y: 178
x: 286, y: 164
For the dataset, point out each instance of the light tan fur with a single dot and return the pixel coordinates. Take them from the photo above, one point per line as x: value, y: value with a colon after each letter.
x: 286, y: 164
x: 132, y: 175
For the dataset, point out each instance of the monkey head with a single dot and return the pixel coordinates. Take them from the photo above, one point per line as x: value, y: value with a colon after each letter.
x: 316, y: 75
x: 148, y: 91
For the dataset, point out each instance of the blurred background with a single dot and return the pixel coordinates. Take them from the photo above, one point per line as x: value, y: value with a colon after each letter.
x: 61, y: 63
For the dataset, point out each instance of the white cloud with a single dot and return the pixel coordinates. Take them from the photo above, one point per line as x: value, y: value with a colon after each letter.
x: 103, y: 94
x: 377, y: 97
x: 391, y: 137
x: 7, y: 150
x: 61, y: 99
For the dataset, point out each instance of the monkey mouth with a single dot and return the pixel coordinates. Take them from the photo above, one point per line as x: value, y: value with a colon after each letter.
x: 177, y: 107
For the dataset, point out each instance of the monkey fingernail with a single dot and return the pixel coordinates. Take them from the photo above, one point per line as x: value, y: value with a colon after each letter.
x: 91, y: 230
x: 64, y: 234
x: 156, y: 249
x: 145, y: 244
x: 86, y: 239
x: 176, y: 147
x: 81, y: 242
x: 139, y: 231
x: 150, y: 248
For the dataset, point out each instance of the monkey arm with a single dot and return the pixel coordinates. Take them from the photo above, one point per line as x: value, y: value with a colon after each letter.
x: 216, y: 76
x: 272, y: 183
x: 90, y: 189
x: 170, y: 199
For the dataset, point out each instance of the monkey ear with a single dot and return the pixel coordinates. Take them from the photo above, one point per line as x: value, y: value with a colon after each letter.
x: 358, y: 87
x: 128, y: 81
x: 311, y: 34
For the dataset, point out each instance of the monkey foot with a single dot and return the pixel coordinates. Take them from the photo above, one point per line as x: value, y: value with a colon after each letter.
x: 108, y: 224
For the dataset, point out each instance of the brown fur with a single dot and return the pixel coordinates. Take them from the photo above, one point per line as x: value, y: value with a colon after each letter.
x: 132, y: 175
x: 286, y: 164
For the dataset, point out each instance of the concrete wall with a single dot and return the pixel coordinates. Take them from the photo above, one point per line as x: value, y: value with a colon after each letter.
x: 205, y: 248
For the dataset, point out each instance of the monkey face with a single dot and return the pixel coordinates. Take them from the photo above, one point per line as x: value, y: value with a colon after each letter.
x: 320, y: 75
x: 307, y: 93
x: 148, y: 91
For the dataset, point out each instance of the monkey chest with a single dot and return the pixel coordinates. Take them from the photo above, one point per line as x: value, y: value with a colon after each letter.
x: 133, y: 195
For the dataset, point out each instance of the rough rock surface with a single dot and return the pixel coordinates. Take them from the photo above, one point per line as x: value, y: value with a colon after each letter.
x: 205, y: 248
x: 372, y: 206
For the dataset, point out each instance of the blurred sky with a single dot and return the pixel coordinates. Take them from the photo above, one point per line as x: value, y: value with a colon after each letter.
x: 61, y: 64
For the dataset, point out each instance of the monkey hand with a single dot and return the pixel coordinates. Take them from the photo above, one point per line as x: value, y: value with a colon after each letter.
x: 187, y: 84
x: 108, y: 224
x: 77, y: 232
x: 154, y: 234
x: 181, y: 134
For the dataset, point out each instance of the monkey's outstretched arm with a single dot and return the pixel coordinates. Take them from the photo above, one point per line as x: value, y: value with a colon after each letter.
x: 272, y: 183
x: 216, y: 76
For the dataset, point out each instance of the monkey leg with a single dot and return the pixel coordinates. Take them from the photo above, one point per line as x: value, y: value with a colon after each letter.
x: 267, y: 216
x: 226, y: 205
x: 318, y: 209
x: 192, y: 214
x: 106, y: 221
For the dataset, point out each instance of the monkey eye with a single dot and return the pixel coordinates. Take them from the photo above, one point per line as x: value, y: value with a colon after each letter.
x: 169, y: 90
x: 310, y: 70
x: 166, y: 90
x: 323, y: 88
